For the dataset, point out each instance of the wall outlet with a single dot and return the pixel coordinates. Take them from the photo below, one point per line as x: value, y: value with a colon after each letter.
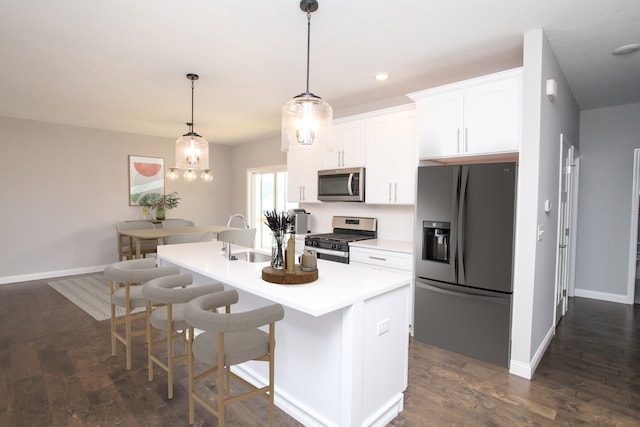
x: 383, y: 326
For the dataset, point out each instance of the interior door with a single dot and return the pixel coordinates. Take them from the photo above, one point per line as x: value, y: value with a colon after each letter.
x: 564, y: 227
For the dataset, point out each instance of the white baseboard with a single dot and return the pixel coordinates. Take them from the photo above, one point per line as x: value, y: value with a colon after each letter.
x: 526, y: 369
x: 50, y: 274
x: 603, y: 296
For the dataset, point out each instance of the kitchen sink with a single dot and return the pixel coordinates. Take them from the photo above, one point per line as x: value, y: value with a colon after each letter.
x: 251, y: 256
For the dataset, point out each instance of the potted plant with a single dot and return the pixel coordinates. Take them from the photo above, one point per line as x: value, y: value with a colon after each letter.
x: 160, y: 202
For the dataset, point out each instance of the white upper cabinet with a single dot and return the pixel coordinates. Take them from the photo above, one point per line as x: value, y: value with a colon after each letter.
x: 346, y: 146
x: 391, y: 158
x: 480, y: 116
x: 303, y: 164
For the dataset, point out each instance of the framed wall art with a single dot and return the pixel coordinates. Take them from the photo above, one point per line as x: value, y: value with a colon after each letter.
x: 146, y: 175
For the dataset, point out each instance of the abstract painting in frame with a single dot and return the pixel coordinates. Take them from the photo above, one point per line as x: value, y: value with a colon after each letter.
x: 146, y: 175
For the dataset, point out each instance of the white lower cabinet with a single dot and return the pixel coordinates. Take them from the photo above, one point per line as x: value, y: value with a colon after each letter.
x: 380, y: 259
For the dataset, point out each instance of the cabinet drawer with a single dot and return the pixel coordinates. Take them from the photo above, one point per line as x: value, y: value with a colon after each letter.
x: 378, y: 258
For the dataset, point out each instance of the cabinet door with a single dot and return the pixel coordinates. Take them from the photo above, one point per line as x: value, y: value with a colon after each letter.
x: 347, y: 146
x: 491, y: 117
x: 302, y: 174
x: 405, y: 165
x: 439, y: 125
x: 391, y: 159
x: 380, y: 155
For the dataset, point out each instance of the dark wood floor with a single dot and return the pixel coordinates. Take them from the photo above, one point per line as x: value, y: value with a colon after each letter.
x: 56, y: 370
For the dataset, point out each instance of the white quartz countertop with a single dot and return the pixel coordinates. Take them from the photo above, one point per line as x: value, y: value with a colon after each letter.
x: 338, y: 285
x: 385, y: 245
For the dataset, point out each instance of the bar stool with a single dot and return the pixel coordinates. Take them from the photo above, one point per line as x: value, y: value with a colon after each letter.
x: 166, y: 299
x: 129, y: 274
x: 229, y: 339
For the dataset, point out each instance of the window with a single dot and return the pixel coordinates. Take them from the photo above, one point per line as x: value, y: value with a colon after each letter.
x: 267, y: 191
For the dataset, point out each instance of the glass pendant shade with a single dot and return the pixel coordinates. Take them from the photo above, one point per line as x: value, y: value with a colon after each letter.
x: 189, y: 175
x: 192, y: 152
x: 306, y: 120
x: 206, y: 176
x: 173, y: 174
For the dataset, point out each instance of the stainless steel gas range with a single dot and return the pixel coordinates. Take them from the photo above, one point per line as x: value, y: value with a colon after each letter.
x: 335, y: 246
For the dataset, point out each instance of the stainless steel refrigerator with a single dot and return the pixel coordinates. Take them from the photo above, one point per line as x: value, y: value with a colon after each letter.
x: 464, y: 258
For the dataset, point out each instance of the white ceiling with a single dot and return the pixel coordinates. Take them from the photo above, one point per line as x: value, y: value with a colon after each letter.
x: 121, y: 64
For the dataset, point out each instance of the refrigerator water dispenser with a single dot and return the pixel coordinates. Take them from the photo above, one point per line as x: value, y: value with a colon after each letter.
x: 435, y: 245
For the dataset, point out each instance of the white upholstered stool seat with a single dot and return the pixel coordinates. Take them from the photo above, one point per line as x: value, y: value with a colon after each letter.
x: 166, y: 298
x: 130, y: 274
x: 229, y: 339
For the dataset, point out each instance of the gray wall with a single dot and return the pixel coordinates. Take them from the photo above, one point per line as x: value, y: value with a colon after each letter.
x: 608, y: 137
x: 248, y: 156
x: 64, y: 188
x: 538, y: 180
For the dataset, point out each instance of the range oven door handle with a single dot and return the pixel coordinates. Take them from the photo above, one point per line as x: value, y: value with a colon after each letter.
x: 328, y: 251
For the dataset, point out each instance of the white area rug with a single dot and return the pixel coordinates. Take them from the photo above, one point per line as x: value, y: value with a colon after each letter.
x: 91, y: 293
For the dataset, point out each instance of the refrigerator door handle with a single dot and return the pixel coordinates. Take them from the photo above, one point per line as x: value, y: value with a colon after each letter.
x: 464, y: 179
x: 484, y: 298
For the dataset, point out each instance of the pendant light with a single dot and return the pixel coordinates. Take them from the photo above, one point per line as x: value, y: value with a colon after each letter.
x: 192, y: 150
x: 307, y: 118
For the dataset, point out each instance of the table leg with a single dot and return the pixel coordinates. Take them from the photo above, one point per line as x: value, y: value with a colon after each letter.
x: 130, y: 254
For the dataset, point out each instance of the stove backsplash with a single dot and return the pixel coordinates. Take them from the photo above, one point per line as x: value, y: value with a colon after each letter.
x: 394, y: 222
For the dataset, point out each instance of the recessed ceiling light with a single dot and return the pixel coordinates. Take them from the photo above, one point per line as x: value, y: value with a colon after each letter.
x: 626, y: 49
x: 382, y: 76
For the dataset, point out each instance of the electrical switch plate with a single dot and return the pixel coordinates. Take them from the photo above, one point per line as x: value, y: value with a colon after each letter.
x: 383, y: 326
x: 540, y: 232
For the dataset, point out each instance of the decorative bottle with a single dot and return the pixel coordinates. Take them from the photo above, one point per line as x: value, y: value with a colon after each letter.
x: 291, y: 254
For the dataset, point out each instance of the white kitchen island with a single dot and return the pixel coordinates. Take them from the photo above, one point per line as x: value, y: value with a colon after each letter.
x: 342, y: 347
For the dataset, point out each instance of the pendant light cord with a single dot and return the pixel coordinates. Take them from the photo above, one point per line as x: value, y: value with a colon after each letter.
x: 191, y: 106
x: 308, y: 46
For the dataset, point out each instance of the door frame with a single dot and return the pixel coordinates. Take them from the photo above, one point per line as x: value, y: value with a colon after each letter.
x: 565, y: 227
x: 574, y: 220
x: 633, y: 239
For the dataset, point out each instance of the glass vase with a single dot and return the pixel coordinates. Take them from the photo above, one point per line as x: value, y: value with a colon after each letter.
x: 277, y: 252
x: 160, y: 214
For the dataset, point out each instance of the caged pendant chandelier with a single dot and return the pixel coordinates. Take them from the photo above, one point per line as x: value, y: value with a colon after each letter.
x: 307, y: 118
x: 192, y: 151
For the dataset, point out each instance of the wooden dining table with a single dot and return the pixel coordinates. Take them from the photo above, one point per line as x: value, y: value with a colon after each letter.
x: 158, y: 234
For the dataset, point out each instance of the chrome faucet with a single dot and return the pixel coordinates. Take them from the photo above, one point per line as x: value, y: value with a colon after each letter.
x: 227, y: 247
x: 244, y: 221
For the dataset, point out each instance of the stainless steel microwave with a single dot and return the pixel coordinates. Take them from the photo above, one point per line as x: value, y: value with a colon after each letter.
x: 341, y: 185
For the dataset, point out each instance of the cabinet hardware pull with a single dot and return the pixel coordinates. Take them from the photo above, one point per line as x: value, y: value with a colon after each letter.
x: 377, y: 258
x: 465, y: 139
x: 458, y: 140
x: 389, y: 191
x: 396, y: 192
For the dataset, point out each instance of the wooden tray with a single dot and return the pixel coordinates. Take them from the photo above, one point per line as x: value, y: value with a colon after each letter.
x: 281, y: 277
